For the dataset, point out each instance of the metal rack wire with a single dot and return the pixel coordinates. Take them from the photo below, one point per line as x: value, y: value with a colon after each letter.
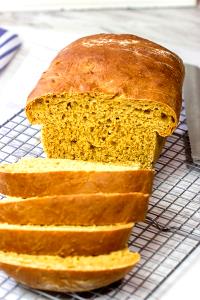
x: 170, y: 235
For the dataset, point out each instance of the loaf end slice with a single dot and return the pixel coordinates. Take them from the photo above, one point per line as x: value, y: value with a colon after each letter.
x: 70, y: 274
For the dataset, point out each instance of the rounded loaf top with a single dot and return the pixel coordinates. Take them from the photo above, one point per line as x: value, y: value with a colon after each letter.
x: 114, y: 64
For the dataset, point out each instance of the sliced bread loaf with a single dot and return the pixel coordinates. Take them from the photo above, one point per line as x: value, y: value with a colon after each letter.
x: 70, y: 274
x: 63, y: 240
x: 40, y: 177
x: 79, y: 209
x: 108, y: 98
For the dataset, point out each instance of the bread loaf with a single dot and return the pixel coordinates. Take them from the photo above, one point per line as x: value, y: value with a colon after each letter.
x: 46, y: 177
x: 79, y: 209
x: 108, y: 98
x: 70, y: 274
x: 63, y: 240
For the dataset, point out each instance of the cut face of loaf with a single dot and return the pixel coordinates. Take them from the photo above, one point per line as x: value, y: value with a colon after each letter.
x: 47, y: 177
x: 111, y: 140
x: 109, y: 98
x: 64, y: 240
x: 80, y: 209
x: 70, y: 274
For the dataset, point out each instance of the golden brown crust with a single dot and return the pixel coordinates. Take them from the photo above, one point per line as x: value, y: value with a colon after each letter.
x: 68, y: 242
x: 65, y: 280
x: 81, y: 209
x: 111, y: 64
x: 77, y: 182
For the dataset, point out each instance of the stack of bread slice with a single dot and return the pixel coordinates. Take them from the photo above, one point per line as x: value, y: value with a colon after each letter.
x: 65, y: 224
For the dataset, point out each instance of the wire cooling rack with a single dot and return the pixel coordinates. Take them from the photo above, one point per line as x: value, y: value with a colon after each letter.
x: 170, y: 235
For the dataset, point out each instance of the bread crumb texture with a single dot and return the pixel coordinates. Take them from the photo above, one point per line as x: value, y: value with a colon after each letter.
x: 93, y: 129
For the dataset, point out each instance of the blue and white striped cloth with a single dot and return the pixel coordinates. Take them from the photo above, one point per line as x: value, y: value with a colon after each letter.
x: 9, y: 44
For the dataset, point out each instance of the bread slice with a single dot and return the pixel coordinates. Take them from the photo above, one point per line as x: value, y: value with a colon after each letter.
x: 63, y: 240
x: 79, y: 209
x: 70, y: 274
x: 108, y: 98
x: 39, y: 177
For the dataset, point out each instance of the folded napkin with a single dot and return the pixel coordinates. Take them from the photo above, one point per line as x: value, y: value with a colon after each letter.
x: 9, y: 44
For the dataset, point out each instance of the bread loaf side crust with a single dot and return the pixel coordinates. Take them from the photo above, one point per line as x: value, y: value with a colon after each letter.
x: 78, y: 182
x: 80, y: 209
x: 83, y: 241
x: 117, y: 65
x: 65, y: 280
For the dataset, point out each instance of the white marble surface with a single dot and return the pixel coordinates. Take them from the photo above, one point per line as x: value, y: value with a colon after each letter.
x: 174, y: 28
x: 43, y: 33
x: 88, y: 4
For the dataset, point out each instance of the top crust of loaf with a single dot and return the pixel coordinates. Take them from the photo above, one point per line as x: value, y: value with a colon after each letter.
x: 116, y: 65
